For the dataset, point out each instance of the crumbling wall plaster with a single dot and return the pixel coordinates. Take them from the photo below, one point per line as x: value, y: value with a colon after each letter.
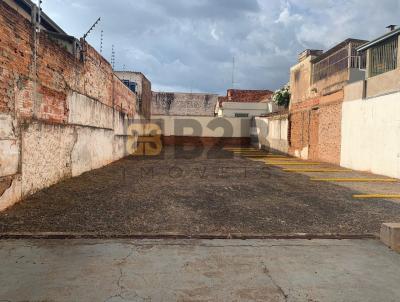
x: 57, y: 117
x: 183, y: 104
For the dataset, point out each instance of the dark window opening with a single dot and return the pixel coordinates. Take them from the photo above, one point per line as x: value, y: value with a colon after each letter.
x: 241, y: 115
x: 131, y: 85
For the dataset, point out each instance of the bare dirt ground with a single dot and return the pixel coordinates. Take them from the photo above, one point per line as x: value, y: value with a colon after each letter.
x: 217, y: 194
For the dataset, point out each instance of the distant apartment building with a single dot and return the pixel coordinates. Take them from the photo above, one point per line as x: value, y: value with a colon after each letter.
x: 371, y: 110
x: 317, y: 82
x: 141, y: 86
x: 245, y: 103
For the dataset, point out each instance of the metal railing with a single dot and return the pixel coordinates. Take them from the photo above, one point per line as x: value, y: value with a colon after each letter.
x: 340, y: 60
x: 383, y: 57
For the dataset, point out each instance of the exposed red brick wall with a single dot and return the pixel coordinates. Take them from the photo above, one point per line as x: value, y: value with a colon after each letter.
x: 59, y: 73
x: 15, y: 54
x: 313, y: 133
x: 247, y: 96
x: 316, y: 123
x: 330, y: 119
x: 121, y: 101
x: 298, y: 132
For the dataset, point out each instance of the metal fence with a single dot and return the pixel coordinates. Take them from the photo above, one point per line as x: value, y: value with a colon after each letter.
x: 342, y: 59
x: 383, y: 57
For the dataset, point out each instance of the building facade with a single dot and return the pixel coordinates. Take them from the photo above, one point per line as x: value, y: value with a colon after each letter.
x: 371, y: 110
x: 245, y: 103
x: 138, y: 83
x: 317, y: 84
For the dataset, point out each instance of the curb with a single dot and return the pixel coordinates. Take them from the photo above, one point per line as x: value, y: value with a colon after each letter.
x: 67, y: 235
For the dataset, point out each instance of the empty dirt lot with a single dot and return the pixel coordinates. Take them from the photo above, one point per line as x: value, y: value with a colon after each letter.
x: 214, y: 194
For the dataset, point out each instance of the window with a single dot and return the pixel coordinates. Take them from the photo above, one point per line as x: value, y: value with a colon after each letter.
x: 130, y: 85
x: 383, y: 57
x: 241, y: 115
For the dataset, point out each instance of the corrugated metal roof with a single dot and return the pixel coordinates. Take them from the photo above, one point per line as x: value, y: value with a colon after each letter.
x: 364, y: 47
x: 337, y: 47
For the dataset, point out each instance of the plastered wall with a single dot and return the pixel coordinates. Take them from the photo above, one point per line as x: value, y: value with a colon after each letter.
x: 371, y: 135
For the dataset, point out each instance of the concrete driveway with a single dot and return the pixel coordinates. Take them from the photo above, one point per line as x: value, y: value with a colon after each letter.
x: 198, y: 270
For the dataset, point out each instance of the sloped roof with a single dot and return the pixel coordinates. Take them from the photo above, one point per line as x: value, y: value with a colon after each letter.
x: 247, y: 96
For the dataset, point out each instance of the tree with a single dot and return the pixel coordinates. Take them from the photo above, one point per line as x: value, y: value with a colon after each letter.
x: 281, y: 97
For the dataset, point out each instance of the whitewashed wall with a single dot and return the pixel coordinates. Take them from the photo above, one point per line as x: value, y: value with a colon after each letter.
x: 272, y: 133
x: 371, y: 135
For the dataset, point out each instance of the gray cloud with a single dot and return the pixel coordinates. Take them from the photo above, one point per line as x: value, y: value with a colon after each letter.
x: 189, y: 44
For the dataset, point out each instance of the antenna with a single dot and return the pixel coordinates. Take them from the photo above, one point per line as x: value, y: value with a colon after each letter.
x: 112, y: 57
x: 233, y: 72
x: 101, y: 41
x: 93, y: 26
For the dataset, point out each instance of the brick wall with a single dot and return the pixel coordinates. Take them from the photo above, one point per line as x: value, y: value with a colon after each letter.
x: 60, y: 113
x: 315, y: 128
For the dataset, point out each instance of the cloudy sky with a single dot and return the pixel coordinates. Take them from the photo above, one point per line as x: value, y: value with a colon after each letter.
x: 189, y: 45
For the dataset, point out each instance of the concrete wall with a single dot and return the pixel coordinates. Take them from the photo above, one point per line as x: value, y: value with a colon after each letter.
x: 183, y: 104
x: 371, y: 135
x: 71, y: 119
x: 230, y: 109
x: 272, y: 132
x: 388, y: 82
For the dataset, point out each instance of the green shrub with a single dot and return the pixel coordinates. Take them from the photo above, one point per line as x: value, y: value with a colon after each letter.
x: 281, y: 97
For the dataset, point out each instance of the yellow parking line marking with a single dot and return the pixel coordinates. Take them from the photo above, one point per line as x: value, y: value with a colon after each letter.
x: 315, y: 170
x: 242, y: 150
x: 248, y: 151
x: 355, y: 179
x: 252, y: 153
x: 266, y: 156
x: 259, y: 154
x: 280, y: 159
x: 291, y: 164
x: 377, y: 196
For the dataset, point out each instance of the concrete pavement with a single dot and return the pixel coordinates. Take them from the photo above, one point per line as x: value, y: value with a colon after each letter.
x: 198, y: 270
